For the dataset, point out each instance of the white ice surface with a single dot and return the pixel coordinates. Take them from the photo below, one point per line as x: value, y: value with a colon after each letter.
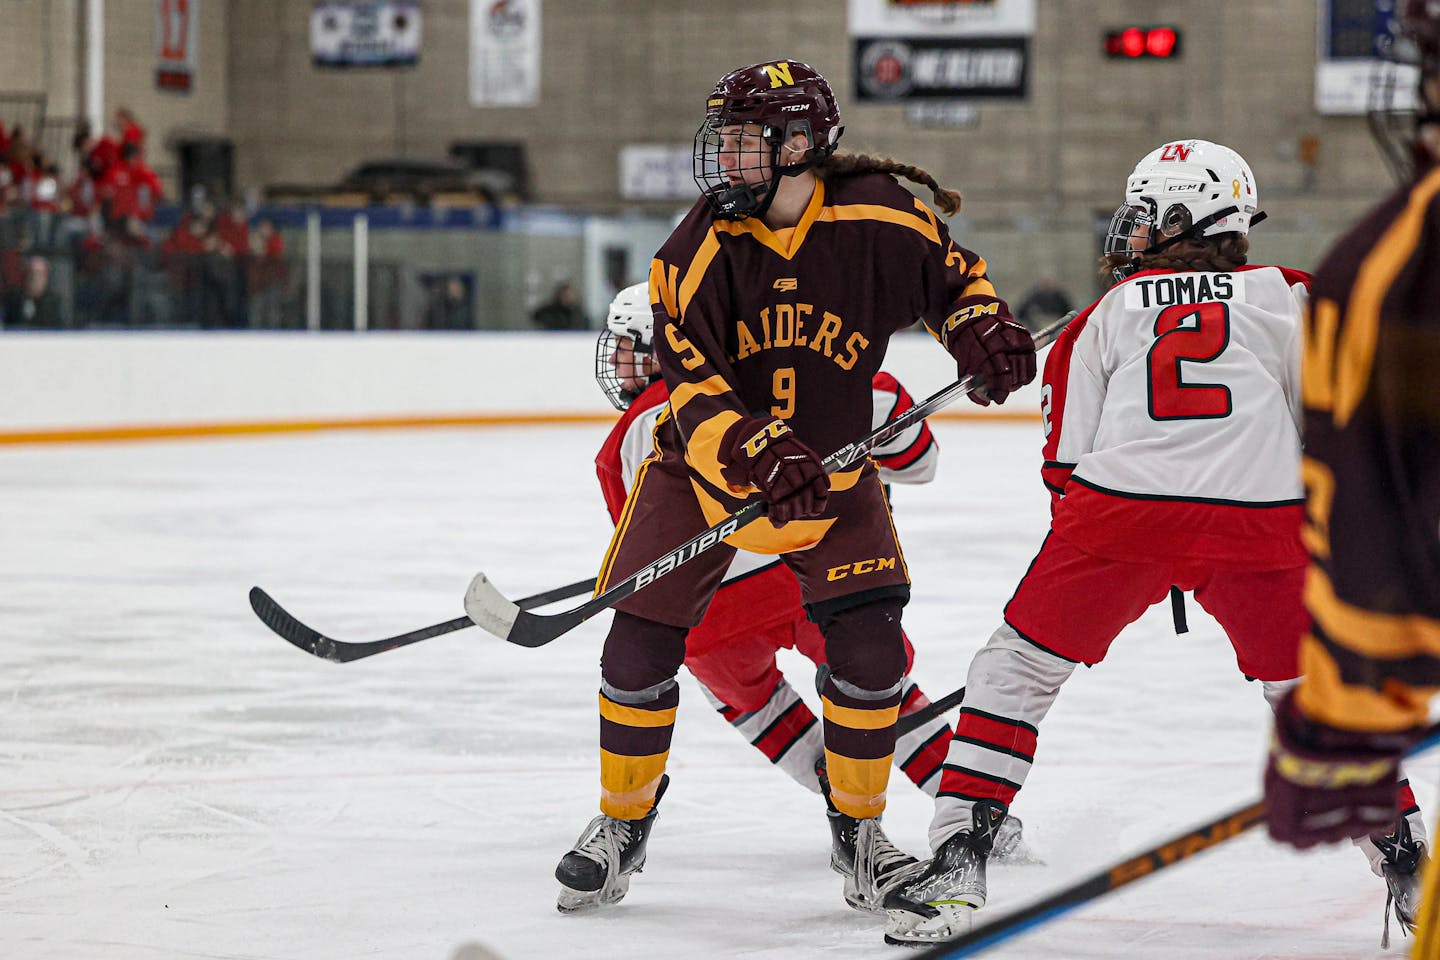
x: 177, y: 782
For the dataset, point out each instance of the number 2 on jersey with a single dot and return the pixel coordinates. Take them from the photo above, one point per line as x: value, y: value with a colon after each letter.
x: 1171, y: 398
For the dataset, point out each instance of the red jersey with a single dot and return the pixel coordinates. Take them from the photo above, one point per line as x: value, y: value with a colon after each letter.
x: 756, y: 582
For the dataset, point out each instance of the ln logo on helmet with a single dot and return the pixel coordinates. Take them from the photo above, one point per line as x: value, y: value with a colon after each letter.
x: 1177, y: 151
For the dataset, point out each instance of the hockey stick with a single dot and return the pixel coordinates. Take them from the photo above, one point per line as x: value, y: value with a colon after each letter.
x: 1180, y: 847
x: 506, y: 620
x: 928, y: 712
x: 278, y: 619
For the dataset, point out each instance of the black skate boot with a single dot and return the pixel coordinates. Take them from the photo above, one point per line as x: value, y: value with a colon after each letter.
x: 1404, y: 856
x: 597, y: 871
x: 939, y: 903
x: 862, y: 854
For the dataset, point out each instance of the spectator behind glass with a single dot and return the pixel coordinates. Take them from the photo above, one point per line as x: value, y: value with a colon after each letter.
x: 33, y: 303
x: 449, y: 306
x: 1044, y: 302
x: 265, y: 276
x: 561, y: 312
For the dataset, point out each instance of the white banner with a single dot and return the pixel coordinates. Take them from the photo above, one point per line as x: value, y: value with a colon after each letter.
x: 1352, y: 39
x: 942, y: 18
x: 650, y: 171
x: 505, y: 53
x: 365, y: 33
x: 177, y: 42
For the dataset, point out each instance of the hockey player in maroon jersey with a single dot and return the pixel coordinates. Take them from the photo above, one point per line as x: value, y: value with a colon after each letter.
x: 1172, y: 451
x: 774, y: 301
x: 1372, y: 475
x: 758, y: 610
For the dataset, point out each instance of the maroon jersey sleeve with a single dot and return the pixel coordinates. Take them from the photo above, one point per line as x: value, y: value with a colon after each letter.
x: 1371, y: 468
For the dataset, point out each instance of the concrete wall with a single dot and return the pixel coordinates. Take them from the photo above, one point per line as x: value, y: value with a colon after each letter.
x: 623, y: 71
x: 113, y: 384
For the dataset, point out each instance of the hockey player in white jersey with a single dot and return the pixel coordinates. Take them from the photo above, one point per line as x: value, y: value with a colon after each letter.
x: 1172, y: 448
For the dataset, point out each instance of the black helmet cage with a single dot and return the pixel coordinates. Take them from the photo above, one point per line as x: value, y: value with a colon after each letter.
x: 1128, y: 218
x: 738, y: 201
x: 611, y: 383
x: 1395, y: 117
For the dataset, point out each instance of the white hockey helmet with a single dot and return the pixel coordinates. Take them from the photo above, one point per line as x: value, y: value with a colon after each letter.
x: 630, y: 315
x: 1184, y: 189
x: 624, y: 361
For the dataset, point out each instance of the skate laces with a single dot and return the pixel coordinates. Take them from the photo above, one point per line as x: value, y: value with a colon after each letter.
x: 602, y: 841
x: 878, y: 862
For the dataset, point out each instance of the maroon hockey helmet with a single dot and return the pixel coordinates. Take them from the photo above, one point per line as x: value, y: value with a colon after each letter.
x: 1408, y: 131
x: 784, y: 98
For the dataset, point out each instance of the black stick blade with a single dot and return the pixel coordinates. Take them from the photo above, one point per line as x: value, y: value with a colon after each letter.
x: 278, y: 619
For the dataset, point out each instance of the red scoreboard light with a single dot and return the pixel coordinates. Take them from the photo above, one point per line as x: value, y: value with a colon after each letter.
x: 1134, y: 43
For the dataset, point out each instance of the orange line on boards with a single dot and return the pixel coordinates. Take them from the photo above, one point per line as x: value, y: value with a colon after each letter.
x: 187, y: 431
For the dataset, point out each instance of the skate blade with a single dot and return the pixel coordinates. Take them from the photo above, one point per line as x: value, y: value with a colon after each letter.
x: 953, y: 919
x: 583, y: 901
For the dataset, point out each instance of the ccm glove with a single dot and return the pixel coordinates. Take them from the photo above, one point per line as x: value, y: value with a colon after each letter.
x: 993, y: 347
x: 764, y: 453
x: 1323, y: 784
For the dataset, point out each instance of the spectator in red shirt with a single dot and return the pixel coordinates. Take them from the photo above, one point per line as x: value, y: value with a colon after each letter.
x: 129, y: 188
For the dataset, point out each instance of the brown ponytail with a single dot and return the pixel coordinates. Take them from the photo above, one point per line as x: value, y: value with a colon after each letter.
x: 853, y: 164
x: 1223, y: 252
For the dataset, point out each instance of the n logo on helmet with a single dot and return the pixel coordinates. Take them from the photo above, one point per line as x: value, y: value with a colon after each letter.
x: 779, y: 74
x: 1176, y: 151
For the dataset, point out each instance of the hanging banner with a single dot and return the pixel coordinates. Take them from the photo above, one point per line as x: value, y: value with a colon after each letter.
x: 504, y: 53
x: 1354, y: 38
x: 938, y: 50
x: 177, y: 39
x: 942, y: 18
x: 365, y: 33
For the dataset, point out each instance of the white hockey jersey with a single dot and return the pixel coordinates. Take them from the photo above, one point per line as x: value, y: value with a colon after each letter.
x: 1172, y: 418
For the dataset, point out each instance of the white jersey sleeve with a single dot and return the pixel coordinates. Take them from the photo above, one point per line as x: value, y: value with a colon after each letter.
x: 1182, y: 386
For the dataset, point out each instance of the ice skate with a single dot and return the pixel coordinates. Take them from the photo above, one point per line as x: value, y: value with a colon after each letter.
x: 862, y: 854
x: 1402, y: 866
x: 596, y: 873
x: 939, y: 903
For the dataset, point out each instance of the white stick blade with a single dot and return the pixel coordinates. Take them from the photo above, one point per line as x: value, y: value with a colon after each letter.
x: 489, y: 608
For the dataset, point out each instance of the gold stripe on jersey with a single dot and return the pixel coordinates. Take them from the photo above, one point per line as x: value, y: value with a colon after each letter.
x: 762, y: 536
x: 695, y: 272
x: 895, y: 535
x: 1324, y: 696
x: 702, y: 449
x: 884, y: 214
x: 858, y: 719
x: 634, y: 716
x: 709, y: 387
x: 790, y: 244
x: 628, y: 784
x: 602, y: 580
x: 1373, y: 281
x: 1381, y: 636
x: 664, y: 287
x: 857, y: 787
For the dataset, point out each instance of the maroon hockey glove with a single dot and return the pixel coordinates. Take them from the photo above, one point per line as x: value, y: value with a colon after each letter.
x: 763, y: 453
x: 993, y: 347
x: 1323, y: 784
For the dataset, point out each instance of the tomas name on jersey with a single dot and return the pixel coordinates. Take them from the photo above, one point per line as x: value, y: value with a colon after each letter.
x: 1147, y: 292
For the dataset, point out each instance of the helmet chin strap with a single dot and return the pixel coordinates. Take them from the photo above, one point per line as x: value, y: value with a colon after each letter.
x: 1198, y: 228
